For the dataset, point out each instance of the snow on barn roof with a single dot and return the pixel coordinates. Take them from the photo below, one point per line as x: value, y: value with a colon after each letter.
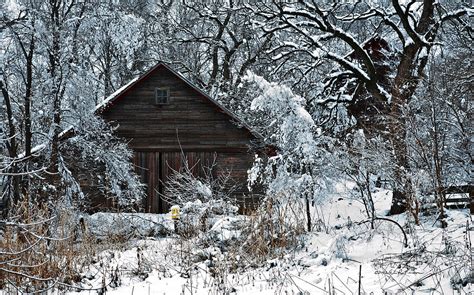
x: 109, y: 99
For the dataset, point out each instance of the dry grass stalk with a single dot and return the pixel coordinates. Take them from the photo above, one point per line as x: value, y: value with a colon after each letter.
x: 39, y: 249
x: 276, y: 226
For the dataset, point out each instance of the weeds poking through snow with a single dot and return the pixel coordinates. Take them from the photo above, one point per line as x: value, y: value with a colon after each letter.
x: 39, y: 251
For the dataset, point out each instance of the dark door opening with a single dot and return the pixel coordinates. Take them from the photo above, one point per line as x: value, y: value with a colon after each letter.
x: 155, y: 168
x: 161, y: 202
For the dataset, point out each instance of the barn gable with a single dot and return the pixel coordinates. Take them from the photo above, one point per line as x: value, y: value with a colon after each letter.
x: 191, y: 119
x: 165, y: 119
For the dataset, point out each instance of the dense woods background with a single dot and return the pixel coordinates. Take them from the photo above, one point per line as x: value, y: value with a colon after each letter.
x: 371, y: 91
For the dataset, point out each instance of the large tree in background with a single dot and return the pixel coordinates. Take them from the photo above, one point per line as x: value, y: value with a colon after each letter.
x: 374, y: 72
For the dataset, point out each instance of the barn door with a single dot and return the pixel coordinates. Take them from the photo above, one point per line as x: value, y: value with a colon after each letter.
x: 147, y: 166
x: 170, y: 162
x: 173, y: 162
x: 155, y: 168
x: 139, y: 163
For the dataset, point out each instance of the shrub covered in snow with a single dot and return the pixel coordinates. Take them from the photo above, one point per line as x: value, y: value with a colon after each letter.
x: 201, y: 199
x: 125, y: 226
x: 200, y: 216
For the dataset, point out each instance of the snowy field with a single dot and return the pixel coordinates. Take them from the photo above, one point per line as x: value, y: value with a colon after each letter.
x: 342, y: 259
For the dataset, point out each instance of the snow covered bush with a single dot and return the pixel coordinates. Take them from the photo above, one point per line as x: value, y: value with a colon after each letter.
x: 296, y: 172
x: 106, y: 226
x: 199, y: 217
x: 95, y: 148
x: 201, y: 199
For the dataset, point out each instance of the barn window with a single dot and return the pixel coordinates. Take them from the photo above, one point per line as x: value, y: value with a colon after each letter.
x: 162, y: 96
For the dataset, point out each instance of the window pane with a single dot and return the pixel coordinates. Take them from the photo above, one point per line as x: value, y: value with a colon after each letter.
x: 161, y: 96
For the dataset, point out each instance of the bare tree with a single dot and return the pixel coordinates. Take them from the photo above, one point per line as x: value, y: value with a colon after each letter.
x: 438, y: 122
x: 322, y: 31
x: 223, y: 39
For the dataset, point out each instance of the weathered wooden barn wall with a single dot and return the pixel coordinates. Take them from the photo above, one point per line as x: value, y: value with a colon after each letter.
x: 189, y: 123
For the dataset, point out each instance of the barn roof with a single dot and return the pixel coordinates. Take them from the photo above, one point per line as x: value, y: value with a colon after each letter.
x: 122, y: 91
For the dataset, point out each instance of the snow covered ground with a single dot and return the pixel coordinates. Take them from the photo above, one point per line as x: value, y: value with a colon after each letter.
x: 340, y: 256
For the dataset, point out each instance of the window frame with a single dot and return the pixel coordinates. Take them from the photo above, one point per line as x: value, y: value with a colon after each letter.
x: 167, y: 96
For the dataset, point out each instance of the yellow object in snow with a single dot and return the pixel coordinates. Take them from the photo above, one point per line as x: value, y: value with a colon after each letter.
x: 175, y: 212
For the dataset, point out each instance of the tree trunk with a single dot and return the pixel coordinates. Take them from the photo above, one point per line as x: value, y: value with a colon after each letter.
x: 308, y: 214
x: 57, y: 91
x: 438, y: 166
x: 11, y: 147
x: 401, y: 92
x: 108, y: 67
x: 28, y: 95
x: 409, y: 71
x: 25, y: 182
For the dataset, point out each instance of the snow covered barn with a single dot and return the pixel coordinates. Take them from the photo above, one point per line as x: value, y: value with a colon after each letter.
x: 165, y: 118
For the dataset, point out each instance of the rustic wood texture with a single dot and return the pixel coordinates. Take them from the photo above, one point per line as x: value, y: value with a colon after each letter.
x: 190, y: 126
x: 188, y: 121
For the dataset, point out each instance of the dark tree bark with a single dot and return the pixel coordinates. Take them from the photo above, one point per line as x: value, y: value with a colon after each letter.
x: 28, y: 95
x: 308, y: 214
x: 12, y: 147
x: 409, y: 71
x: 54, y: 63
